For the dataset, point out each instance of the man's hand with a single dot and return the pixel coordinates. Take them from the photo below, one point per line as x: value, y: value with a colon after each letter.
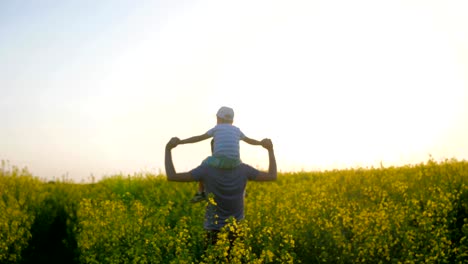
x: 272, y: 173
x: 266, y: 143
x: 173, y: 143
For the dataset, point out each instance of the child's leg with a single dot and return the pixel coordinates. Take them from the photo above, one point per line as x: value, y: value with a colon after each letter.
x: 201, y: 188
x: 200, y: 195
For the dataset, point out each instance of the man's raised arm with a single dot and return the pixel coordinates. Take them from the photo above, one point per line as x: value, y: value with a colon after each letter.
x: 272, y: 173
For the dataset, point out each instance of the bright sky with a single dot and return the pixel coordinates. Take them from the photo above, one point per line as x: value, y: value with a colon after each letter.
x: 99, y: 87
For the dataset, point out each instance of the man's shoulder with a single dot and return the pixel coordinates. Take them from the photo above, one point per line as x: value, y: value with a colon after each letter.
x: 204, y: 172
x: 246, y: 168
x: 200, y: 170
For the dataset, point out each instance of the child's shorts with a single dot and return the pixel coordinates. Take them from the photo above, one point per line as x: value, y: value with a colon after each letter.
x: 222, y: 162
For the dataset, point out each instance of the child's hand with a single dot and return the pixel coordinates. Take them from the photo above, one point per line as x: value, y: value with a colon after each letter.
x: 266, y: 143
x: 173, y: 143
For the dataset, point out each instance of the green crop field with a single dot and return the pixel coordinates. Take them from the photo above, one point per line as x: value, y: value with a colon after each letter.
x: 410, y: 214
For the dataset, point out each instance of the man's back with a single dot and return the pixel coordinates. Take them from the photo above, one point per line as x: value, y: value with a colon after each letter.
x: 227, y: 187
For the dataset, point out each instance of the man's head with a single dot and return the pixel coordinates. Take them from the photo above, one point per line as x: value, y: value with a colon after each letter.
x: 225, y: 115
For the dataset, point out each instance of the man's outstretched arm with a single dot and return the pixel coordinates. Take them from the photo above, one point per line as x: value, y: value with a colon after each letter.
x: 272, y: 173
x: 172, y: 175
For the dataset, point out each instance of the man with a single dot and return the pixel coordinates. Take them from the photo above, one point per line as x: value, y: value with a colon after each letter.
x: 225, y: 147
x: 226, y: 185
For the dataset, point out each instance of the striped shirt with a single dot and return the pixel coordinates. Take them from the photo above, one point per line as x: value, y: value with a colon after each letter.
x: 226, y: 140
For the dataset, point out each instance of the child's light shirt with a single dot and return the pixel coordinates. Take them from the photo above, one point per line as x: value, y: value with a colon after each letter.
x: 226, y: 140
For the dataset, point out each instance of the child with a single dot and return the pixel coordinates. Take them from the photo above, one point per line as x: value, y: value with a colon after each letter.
x: 225, y: 149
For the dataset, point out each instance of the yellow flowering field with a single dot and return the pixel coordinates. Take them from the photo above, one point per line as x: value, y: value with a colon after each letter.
x: 408, y: 214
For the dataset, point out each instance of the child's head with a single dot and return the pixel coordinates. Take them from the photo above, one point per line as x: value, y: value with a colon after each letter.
x: 225, y: 115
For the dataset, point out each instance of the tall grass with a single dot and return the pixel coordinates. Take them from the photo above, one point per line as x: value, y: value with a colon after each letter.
x: 408, y: 214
